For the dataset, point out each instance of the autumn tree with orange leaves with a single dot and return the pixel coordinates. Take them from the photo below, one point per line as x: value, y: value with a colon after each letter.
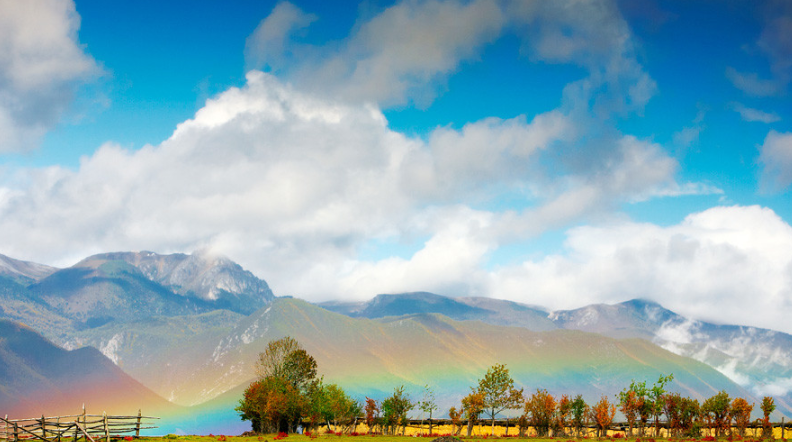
x: 602, y: 414
x: 540, y: 411
x: 740, y: 412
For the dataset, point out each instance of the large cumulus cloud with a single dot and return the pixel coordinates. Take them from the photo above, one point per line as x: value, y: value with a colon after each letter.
x: 293, y: 186
x: 41, y: 64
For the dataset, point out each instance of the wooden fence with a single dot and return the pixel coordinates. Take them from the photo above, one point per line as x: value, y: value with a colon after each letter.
x: 89, y: 427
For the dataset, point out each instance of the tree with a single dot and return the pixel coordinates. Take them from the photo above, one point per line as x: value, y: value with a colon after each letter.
x: 672, y: 408
x: 540, y: 411
x: 272, y: 405
x: 372, y: 414
x: 456, y: 420
x: 740, y: 412
x: 602, y: 414
x: 286, y: 389
x: 768, y: 406
x: 395, y: 409
x: 655, y: 398
x: 716, y: 411
x: 340, y: 408
x: 564, y: 410
x: 427, y: 405
x: 630, y: 402
x: 497, y: 389
x: 689, y: 413
x: 580, y: 412
x: 472, y: 406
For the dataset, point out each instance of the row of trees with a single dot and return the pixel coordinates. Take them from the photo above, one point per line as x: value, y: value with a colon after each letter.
x: 288, y: 392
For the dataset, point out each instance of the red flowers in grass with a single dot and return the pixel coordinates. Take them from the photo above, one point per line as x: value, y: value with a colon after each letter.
x: 280, y: 436
x: 221, y: 438
x: 127, y: 437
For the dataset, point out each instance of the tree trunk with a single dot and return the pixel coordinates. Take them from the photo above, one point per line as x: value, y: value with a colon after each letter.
x: 469, y: 427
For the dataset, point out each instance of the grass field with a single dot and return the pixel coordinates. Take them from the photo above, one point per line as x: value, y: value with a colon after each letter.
x: 325, y: 437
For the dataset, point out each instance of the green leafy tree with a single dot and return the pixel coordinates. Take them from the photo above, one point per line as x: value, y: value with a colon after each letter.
x: 395, y: 409
x: 427, y: 405
x: 655, y: 398
x: 339, y: 408
x: 716, y: 411
x: 579, y: 412
x: 497, y: 389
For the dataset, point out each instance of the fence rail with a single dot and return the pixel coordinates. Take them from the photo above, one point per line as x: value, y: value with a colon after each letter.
x: 89, y: 427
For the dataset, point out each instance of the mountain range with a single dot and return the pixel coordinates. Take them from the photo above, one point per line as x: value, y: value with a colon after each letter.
x: 188, y: 328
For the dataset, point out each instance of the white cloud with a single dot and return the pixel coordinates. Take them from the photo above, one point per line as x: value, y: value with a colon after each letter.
x: 269, y: 43
x: 751, y: 84
x: 750, y: 114
x: 776, y: 157
x: 294, y: 186
x: 736, y: 258
x: 405, y: 53
x: 397, y: 56
x: 775, y: 42
x: 41, y: 63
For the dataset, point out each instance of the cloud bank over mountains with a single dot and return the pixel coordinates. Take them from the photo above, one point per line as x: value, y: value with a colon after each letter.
x: 297, y: 173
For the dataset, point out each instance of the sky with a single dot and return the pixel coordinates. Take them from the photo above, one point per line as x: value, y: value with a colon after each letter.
x: 553, y: 153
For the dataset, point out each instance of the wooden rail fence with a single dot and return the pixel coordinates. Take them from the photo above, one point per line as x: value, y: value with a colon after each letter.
x: 89, y: 427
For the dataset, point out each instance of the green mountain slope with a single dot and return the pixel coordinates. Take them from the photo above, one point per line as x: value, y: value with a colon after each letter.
x: 371, y: 357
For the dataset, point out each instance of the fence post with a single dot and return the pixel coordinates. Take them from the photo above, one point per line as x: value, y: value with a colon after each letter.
x: 43, y: 427
x: 57, y: 425
x: 107, y: 432
x: 16, y: 432
x: 137, y: 427
x: 782, y: 428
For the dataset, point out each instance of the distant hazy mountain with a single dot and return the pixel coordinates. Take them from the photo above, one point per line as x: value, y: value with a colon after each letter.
x: 23, y: 272
x: 125, y: 286
x: 758, y: 359
x: 493, y: 311
x: 38, y: 376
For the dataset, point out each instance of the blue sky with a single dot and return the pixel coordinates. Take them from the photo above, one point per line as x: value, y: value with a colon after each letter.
x: 553, y: 153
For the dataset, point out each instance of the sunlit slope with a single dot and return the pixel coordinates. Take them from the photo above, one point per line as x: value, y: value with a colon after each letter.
x: 39, y: 378
x: 373, y: 356
x: 160, y: 351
